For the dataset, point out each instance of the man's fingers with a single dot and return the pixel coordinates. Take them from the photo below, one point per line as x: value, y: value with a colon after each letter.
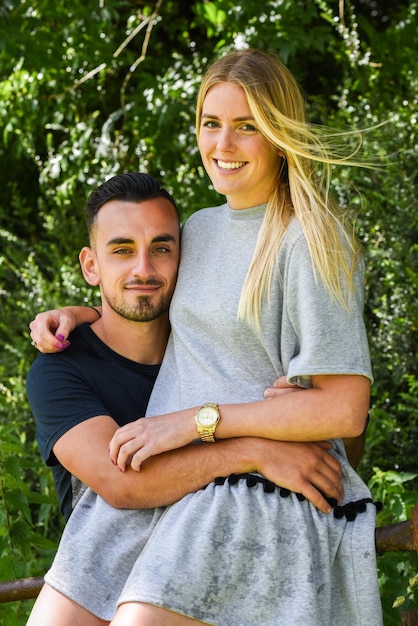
x: 317, y: 499
x: 330, y: 486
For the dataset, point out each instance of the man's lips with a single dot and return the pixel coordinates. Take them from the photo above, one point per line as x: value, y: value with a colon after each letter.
x: 144, y: 288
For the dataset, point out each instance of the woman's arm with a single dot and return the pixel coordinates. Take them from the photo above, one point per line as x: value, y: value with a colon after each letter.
x: 50, y: 329
x: 354, y: 446
x: 335, y: 407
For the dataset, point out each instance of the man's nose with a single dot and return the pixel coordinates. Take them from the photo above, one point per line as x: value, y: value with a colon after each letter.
x: 144, y: 267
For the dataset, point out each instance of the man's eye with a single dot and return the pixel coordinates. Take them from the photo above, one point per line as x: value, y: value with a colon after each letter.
x: 122, y: 251
x: 162, y: 250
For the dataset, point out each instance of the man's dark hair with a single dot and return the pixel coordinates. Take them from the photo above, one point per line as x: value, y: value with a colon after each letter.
x: 132, y: 187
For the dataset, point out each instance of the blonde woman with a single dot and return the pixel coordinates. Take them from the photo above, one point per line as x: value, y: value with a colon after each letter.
x: 270, y: 284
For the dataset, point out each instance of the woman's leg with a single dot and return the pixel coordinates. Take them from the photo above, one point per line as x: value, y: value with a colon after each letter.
x: 53, y: 609
x: 141, y: 614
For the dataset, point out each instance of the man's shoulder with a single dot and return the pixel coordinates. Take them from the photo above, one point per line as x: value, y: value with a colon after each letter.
x: 77, y: 337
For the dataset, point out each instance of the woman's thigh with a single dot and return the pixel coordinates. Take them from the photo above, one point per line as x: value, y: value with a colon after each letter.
x: 141, y: 614
x: 54, y: 609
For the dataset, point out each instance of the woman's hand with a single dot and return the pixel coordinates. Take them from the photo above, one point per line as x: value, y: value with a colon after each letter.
x: 49, y: 330
x: 133, y: 443
x: 280, y: 386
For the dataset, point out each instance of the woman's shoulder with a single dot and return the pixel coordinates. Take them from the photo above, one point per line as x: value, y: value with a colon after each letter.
x: 204, y: 219
x: 293, y: 237
x: 206, y: 213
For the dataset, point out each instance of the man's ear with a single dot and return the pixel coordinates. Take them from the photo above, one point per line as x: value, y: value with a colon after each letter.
x: 88, y: 264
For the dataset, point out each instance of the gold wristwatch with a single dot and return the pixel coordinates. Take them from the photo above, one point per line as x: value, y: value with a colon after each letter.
x: 207, y: 418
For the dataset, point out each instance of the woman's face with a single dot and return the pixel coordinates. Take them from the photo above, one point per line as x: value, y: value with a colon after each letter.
x: 241, y: 164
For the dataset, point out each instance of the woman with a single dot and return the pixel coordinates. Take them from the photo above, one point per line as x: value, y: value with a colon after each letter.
x: 270, y: 283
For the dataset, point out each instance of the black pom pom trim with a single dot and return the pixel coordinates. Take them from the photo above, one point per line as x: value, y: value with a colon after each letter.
x: 350, y: 510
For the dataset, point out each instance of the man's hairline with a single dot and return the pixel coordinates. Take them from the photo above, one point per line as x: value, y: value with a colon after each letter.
x: 93, y: 226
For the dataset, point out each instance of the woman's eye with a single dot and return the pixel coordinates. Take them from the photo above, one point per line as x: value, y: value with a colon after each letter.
x: 249, y: 128
x: 210, y: 124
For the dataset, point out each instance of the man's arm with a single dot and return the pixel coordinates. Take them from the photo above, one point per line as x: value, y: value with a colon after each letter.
x: 307, y: 468
x: 354, y: 449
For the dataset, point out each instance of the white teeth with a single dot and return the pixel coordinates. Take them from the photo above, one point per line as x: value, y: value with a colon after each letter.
x: 230, y: 166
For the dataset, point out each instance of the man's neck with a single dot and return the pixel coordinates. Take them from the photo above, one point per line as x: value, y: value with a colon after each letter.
x: 142, y: 342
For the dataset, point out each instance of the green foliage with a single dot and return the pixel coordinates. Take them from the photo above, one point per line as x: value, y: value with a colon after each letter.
x: 398, y: 573
x: 30, y: 522
x: 91, y: 89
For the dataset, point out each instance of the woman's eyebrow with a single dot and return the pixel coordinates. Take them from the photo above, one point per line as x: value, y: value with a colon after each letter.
x: 235, y: 119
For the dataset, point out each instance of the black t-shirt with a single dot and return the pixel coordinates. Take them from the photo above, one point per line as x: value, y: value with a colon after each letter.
x: 85, y: 380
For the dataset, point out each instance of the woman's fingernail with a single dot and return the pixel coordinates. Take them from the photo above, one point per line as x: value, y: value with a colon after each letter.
x: 62, y: 346
x: 60, y: 337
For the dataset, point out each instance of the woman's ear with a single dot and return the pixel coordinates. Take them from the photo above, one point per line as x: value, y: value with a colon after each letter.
x: 88, y: 264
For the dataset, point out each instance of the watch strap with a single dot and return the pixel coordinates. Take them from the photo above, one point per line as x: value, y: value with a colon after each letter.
x: 207, y: 433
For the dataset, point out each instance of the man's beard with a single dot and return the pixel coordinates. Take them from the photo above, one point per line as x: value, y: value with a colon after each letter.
x: 143, y: 311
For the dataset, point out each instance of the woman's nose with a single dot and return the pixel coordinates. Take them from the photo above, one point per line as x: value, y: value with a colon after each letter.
x: 226, y: 140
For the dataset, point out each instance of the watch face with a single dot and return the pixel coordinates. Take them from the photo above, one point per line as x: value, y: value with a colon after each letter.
x: 207, y: 416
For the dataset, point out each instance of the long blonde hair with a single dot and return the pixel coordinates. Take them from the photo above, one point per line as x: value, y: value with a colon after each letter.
x: 302, y: 189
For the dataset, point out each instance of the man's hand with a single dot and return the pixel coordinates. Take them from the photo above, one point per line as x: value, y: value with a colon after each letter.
x: 306, y: 468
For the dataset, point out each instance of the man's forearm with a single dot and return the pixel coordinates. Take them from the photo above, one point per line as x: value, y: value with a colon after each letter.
x: 306, y: 468
x: 168, y: 477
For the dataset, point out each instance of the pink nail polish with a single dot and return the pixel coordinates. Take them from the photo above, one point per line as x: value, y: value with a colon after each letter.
x: 62, y: 346
x: 60, y: 337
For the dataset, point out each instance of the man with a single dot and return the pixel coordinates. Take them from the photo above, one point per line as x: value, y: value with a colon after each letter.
x: 103, y: 380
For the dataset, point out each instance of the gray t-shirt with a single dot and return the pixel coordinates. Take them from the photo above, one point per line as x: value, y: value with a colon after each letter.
x: 214, y: 357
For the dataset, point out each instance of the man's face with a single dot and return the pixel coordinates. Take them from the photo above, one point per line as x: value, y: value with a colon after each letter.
x: 136, y: 252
